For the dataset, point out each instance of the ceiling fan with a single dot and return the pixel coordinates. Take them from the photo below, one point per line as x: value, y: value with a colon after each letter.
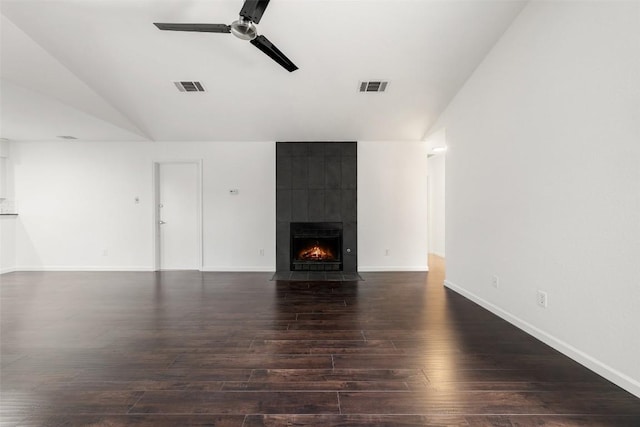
x: 243, y: 28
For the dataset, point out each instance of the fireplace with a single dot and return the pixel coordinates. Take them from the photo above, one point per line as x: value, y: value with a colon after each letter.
x: 316, y: 208
x: 316, y: 246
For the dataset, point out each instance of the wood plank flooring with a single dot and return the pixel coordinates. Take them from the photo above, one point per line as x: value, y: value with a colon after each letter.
x: 236, y: 349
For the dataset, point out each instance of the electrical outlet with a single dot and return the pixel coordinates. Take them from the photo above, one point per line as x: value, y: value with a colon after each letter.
x: 542, y: 299
x: 262, y: 252
x: 386, y: 252
x: 105, y: 252
x: 495, y: 281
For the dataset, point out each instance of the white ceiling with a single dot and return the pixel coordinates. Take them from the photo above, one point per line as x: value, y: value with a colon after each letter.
x: 99, y: 69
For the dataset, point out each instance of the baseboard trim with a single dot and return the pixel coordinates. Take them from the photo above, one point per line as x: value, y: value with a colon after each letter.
x: 239, y: 269
x: 82, y: 268
x: 209, y: 268
x: 366, y: 269
x: 602, y: 369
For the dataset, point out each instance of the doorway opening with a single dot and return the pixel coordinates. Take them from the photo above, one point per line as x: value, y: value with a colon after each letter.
x: 437, y: 148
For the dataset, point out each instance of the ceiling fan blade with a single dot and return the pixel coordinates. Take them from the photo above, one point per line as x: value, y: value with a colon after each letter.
x: 201, y: 28
x: 262, y: 43
x: 253, y: 10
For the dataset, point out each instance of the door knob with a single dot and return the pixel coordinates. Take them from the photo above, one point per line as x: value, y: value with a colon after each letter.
x: 162, y: 222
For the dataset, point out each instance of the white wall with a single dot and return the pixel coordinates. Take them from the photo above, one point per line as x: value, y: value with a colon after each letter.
x: 543, y: 181
x: 392, y: 206
x: 235, y: 228
x: 77, y: 200
x: 436, y: 168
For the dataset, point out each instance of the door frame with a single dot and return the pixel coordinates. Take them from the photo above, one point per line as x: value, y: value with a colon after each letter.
x: 156, y: 209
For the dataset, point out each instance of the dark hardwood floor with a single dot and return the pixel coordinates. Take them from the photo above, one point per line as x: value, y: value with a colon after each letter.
x: 236, y: 349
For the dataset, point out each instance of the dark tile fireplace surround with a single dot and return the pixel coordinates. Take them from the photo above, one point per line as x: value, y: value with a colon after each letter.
x: 316, y: 211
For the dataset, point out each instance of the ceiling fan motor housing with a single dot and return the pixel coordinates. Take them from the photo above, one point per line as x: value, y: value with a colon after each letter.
x: 244, y: 29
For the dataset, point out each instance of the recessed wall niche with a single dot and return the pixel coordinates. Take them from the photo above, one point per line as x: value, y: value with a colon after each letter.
x: 316, y: 182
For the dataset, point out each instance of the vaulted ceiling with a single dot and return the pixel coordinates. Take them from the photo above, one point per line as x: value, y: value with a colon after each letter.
x: 99, y: 70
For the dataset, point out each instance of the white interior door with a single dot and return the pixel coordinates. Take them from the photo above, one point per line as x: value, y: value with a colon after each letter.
x: 178, y: 216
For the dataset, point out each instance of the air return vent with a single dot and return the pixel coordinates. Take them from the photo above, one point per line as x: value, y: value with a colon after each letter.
x: 66, y: 137
x: 189, y: 86
x: 374, y: 86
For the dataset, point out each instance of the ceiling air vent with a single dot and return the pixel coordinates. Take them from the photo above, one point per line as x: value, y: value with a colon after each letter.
x: 374, y: 86
x: 189, y: 86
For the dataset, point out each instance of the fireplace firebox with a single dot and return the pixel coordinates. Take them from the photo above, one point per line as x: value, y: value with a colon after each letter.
x: 316, y: 246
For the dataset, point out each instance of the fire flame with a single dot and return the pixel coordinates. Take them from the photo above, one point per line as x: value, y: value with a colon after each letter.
x: 315, y: 253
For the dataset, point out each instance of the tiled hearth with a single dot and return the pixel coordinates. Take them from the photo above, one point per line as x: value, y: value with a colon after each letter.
x: 317, y: 276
